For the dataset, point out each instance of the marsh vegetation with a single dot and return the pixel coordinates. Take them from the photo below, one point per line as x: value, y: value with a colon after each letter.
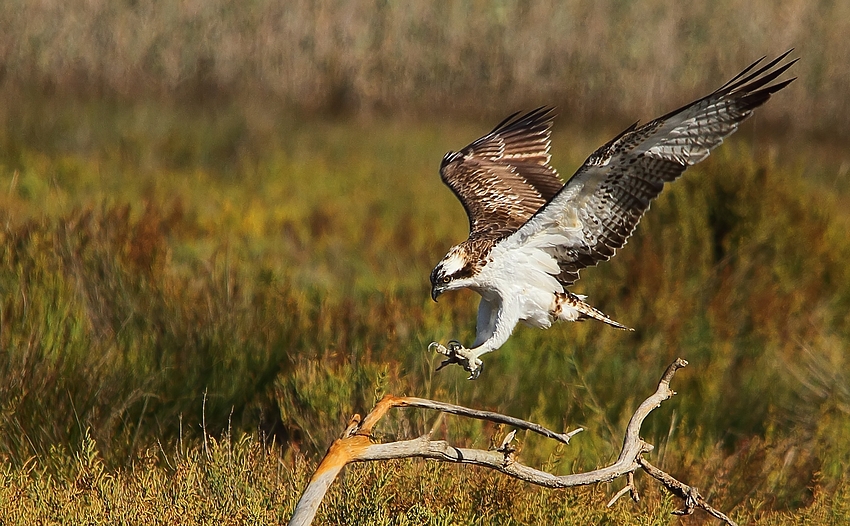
x: 198, y: 287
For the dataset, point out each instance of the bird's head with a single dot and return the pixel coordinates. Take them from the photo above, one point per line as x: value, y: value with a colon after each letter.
x: 453, y: 272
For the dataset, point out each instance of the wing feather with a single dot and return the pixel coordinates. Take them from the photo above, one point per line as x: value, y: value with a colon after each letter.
x: 602, y: 203
x: 504, y: 178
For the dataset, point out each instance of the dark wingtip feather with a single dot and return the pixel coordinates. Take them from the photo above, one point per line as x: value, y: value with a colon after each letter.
x: 755, y: 99
x: 748, y: 86
x: 759, y: 78
x: 756, y: 90
x: 505, y: 121
x: 746, y: 70
x: 737, y: 79
x: 541, y: 115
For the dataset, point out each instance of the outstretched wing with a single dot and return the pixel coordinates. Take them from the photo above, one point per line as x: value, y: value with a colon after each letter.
x: 504, y: 178
x: 600, y: 206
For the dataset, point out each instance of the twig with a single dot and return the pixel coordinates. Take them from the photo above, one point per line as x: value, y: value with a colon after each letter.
x: 409, y: 401
x: 628, y: 488
x: 687, y: 493
x: 204, y: 425
x: 356, y: 445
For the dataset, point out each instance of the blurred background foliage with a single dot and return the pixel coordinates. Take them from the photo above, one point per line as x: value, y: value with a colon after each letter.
x: 218, y: 220
x: 592, y: 59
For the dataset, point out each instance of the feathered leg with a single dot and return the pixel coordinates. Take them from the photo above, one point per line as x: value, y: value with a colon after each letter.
x: 569, y: 306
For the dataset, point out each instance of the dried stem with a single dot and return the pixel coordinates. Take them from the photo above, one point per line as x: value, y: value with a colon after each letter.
x: 356, y: 445
x: 410, y: 401
x: 687, y: 493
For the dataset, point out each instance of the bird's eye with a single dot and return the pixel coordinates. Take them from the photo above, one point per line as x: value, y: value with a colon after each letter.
x: 445, y: 279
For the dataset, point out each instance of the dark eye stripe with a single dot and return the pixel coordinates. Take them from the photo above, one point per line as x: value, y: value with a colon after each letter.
x: 467, y: 271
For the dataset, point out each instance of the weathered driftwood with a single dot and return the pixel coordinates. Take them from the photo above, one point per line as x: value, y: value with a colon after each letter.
x: 356, y: 445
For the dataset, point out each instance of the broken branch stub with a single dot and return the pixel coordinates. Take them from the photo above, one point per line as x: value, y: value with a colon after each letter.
x: 356, y: 445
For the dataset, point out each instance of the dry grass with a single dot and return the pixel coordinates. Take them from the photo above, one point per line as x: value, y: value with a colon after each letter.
x: 239, y: 481
x: 593, y: 59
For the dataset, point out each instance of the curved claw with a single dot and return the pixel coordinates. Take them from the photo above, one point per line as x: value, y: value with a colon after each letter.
x: 476, y: 372
x: 457, y: 353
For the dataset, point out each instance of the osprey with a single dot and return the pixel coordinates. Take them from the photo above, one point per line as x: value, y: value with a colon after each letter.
x: 530, y: 235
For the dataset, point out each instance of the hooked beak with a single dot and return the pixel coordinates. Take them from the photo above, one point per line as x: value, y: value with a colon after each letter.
x: 436, y: 290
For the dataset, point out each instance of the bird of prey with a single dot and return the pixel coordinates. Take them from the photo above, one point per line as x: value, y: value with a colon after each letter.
x: 530, y: 234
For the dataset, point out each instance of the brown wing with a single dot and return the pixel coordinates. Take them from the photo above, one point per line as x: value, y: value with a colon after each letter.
x: 504, y: 178
x: 600, y: 206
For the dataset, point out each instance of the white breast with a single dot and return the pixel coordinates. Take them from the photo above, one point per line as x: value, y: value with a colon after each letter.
x: 524, y: 278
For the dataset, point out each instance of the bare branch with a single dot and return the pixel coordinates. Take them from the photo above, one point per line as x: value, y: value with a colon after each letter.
x: 628, y: 488
x: 687, y: 493
x: 410, y: 401
x: 633, y: 446
x: 356, y: 445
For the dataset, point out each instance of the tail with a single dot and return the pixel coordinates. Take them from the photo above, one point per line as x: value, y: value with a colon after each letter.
x: 585, y: 311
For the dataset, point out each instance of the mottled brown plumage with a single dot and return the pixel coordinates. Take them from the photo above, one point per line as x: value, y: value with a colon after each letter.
x: 503, y: 178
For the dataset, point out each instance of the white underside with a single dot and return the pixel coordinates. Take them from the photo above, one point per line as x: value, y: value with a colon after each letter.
x: 518, y: 285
